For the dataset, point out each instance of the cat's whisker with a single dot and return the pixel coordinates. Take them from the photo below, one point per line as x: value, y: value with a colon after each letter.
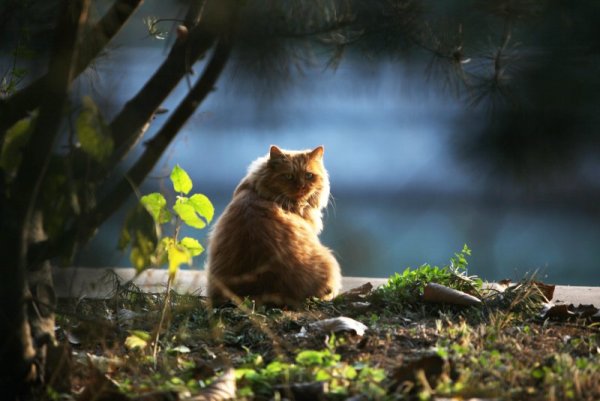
x: 331, y: 204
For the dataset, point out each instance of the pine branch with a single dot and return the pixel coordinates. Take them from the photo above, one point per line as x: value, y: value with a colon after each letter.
x: 27, y: 99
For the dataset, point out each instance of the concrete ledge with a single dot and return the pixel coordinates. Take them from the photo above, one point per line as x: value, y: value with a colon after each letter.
x: 97, y: 283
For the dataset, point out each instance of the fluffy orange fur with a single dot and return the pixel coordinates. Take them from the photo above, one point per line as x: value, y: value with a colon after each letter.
x: 265, y: 245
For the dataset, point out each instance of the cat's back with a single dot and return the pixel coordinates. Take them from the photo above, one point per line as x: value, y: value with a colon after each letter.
x: 251, y: 229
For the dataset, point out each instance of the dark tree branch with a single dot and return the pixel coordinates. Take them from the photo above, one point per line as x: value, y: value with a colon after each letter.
x: 154, y: 150
x: 194, y: 14
x: 15, y: 336
x: 27, y: 99
x: 131, y: 123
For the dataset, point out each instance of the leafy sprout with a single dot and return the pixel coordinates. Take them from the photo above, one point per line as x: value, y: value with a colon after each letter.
x: 147, y: 246
x: 407, y: 287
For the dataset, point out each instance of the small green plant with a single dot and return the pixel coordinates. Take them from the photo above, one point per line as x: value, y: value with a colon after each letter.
x: 148, y: 247
x: 341, y: 378
x: 407, y: 287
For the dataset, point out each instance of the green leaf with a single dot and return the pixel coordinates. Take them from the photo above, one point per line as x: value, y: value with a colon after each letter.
x: 141, y: 233
x: 15, y: 140
x: 182, y: 182
x: 177, y: 255
x: 322, y: 375
x: 244, y: 372
x: 141, y: 251
x: 92, y: 132
x: 310, y: 357
x: 192, y: 245
x: 188, y: 214
x: 138, y: 339
x: 349, y: 372
x: 156, y: 204
x: 203, y: 206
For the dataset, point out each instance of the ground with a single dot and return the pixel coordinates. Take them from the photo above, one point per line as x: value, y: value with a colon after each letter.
x: 507, y: 347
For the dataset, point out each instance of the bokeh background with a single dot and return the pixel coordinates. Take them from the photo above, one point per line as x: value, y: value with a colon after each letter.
x: 418, y: 168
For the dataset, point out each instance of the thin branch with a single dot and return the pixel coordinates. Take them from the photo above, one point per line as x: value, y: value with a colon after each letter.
x: 27, y: 99
x: 131, y: 123
x: 159, y: 143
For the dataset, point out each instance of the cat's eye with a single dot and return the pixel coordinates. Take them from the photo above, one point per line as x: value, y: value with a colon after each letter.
x: 289, y: 176
x: 309, y: 176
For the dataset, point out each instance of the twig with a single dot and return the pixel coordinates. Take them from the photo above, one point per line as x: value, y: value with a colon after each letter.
x: 162, y: 319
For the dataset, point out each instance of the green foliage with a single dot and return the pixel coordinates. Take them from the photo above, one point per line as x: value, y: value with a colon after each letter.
x: 15, y: 140
x: 156, y: 204
x: 407, y: 287
x: 92, y: 132
x: 147, y: 246
x: 342, y: 378
x: 141, y: 233
x: 181, y: 180
x: 192, y: 245
x: 138, y: 339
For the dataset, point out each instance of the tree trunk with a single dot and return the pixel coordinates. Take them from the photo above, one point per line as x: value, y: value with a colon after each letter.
x: 27, y: 303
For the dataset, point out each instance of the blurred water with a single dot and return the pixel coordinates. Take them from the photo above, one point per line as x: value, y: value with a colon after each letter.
x: 402, y: 198
x: 382, y: 235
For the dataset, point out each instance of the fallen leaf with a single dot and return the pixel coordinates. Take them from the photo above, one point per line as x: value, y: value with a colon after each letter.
x: 361, y: 305
x: 358, y: 293
x: 338, y: 324
x: 181, y: 349
x: 223, y: 388
x: 547, y: 290
x: 438, y: 293
x: 569, y: 311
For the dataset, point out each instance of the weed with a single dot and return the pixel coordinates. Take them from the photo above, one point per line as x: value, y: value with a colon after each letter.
x: 406, y: 288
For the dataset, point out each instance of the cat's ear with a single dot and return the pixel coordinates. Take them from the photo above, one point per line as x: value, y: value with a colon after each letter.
x: 317, y: 153
x: 275, y: 153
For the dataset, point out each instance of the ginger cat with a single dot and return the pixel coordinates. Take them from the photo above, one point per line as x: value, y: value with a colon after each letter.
x: 265, y: 245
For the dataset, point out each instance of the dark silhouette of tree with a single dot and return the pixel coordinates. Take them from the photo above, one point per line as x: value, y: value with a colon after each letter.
x: 538, y: 82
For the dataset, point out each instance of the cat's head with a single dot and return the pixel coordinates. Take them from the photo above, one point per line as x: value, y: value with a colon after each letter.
x: 295, y: 176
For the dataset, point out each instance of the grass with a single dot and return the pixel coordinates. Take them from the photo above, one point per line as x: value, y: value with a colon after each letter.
x: 501, y: 349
